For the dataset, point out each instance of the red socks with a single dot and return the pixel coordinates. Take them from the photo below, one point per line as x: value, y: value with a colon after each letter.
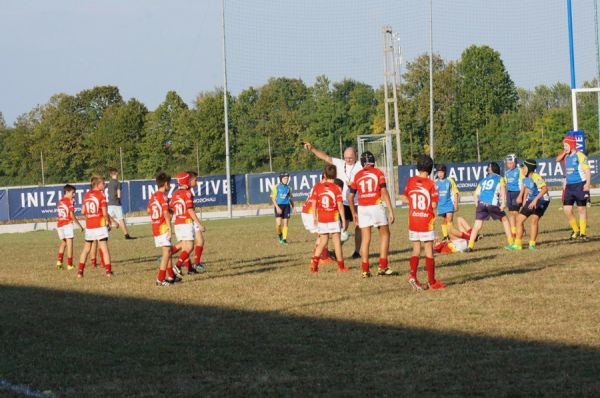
x: 364, y: 267
x: 414, y: 265
x: 69, y: 261
x: 341, y: 265
x: 161, y: 275
x: 170, y: 273
x: 182, y: 257
x: 101, y: 258
x: 60, y: 257
x: 93, y: 262
x: 314, y: 264
x: 383, y: 264
x: 81, y: 267
x: 430, y: 266
x: 174, y: 250
x: 198, y: 254
x: 325, y: 254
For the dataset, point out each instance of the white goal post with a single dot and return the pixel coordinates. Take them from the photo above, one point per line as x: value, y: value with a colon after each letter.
x: 574, y: 92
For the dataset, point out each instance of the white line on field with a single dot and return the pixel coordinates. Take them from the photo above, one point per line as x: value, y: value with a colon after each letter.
x: 25, y: 390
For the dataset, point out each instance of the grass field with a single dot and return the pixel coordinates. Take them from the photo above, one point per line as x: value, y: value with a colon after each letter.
x: 257, y: 323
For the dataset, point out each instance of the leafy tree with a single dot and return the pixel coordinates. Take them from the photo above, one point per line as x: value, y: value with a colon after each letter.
x: 483, y: 89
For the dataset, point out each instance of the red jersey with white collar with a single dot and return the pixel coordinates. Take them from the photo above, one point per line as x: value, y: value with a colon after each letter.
x: 93, y: 203
x: 181, y: 202
x: 158, y: 206
x: 368, y: 183
x: 64, y: 209
x: 421, y: 193
x: 327, y: 196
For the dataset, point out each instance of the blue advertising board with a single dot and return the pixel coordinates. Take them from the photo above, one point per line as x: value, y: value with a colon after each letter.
x: 211, y: 191
x: 261, y: 185
x: 4, y: 205
x: 467, y: 175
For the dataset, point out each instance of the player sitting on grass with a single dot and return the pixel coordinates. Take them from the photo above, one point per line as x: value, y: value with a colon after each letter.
x: 448, y: 204
x: 458, y: 241
x: 64, y: 226
x: 537, y: 200
x: 490, y: 197
x: 97, y: 224
x: 370, y: 184
x: 422, y: 197
x: 182, y: 206
x: 281, y: 196
x: 328, y: 208
x: 160, y: 217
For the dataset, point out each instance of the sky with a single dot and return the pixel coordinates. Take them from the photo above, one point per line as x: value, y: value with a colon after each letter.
x: 148, y: 47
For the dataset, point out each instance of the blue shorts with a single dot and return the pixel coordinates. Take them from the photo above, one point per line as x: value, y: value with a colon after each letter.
x: 511, y: 200
x: 574, y: 194
x: 485, y: 211
x: 538, y: 210
x: 286, y: 211
x: 443, y: 212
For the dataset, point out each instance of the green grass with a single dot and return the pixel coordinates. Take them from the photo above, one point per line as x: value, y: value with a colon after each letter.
x: 257, y: 323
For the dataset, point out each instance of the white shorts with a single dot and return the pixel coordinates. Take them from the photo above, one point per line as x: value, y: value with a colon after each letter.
x: 460, y: 244
x: 421, y: 236
x: 184, y: 232
x: 92, y: 234
x: 329, y: 227
x: 65, y: 232
x: 163, y: 240
x: 115, y: 212
x: 309, y: 223
x: 372, y: 216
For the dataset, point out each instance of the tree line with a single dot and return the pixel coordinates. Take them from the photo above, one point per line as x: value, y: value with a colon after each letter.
x: 477, y: 106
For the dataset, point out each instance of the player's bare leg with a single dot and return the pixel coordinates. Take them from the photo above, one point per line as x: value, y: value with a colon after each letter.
x: 430, y: 266
x: 284, y: 230
x: 61, y: 253
x: 507, y: 231
x: 357, y: 242
x: 474, y: 232
x: 384, y: 248
x: 364, y: 251
x: 568, y: 210
x: 198, y: 249
x: 414, y: 265
x: 535, y: 221
x: 339, y: 255
x: 83, y: 258
x: 512, y: 219
x: 322, y: 244
x: 162, y: 269
x: 582, y: 210
x: 105, y: 254
x: 518, y: 242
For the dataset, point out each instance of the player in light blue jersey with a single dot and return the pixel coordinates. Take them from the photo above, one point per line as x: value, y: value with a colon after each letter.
x: 490, y: 197
x: 448, y: 204
x: 281, y: 196
x: 535, y: 199
x: 514, y: 179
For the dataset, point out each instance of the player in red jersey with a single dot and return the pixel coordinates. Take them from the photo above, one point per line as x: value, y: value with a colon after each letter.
x: 64, y: 226
x: 328, y: 208
x: 182, y: 206
x: 309, y: 225
x: 422, y: 197
x: 370, y: 184
x: 97, y: 224
x: 160, y: 217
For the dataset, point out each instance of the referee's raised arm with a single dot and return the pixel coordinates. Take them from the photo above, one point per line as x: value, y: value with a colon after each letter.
x: 318, y: 153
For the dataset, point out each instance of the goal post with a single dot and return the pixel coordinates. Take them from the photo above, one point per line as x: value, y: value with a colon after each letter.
x: 574, y: 92
x: 380, y: 145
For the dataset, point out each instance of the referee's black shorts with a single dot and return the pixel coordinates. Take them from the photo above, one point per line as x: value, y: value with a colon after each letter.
x: 348, y: 214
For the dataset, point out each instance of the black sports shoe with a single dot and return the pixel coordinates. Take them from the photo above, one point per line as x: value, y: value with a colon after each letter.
x: 192, y: 271
x: 385, y: 272
x: 574, y: 236
x: 469, y: 250
x: 355, y: 255
x: 129, y: 237
x: 583, y: 237
x: 163, y: 283
x: 174, y: 280
x: 445, y: 239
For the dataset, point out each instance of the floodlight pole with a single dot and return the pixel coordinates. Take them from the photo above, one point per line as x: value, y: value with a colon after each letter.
x: 597, y: 64
x: 431, y: 79
x: 121, y: 161
x: 225, y: 115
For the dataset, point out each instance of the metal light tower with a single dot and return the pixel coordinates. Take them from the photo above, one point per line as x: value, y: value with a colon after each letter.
x: 431, y: 79
x: 389, y: 75
x: 226, y: 116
